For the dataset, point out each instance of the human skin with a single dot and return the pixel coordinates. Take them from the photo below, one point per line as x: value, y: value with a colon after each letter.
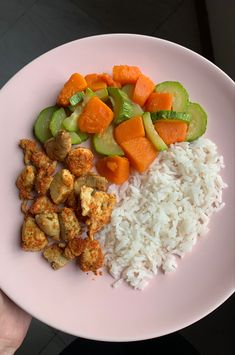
x: 14, y: 324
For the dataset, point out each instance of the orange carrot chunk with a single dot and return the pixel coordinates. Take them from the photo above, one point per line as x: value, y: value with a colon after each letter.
x: 75, y: 83
x: 125, y: 74
x: 94, y: 82
x: 129, y: 129
x: 171, y: 131
x: 159, y: 101
x: 143, y: 88
x: 140, y: 153
x: 115, y: 169
x: 95, y: 117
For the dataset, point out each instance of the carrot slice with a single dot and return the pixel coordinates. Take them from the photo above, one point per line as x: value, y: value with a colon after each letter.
x: 143, y: 88
x: 126, y: 74
x: 159, y: 101
x: 115, y: 169
x: 140, y: 152
x: 129, y: 129
x: 171, y: 131
x: 95, y: 117
x: 75, y: 83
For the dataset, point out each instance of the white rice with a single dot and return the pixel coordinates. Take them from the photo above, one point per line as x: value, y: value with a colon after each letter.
x: 161, y: 213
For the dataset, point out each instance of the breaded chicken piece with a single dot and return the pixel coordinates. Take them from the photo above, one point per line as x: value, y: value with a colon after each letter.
x: 72, y: 200
x: 92, y: 258
x: 69, y: 225
x: 80, y: 161
x: 48, y: 222
x: 43, y: 204
x: 61, y: 186
x: 33, y: 154
x: 25, y: 182
x: 58, y: 147
x: 33, y: 239
x: 98, y: 206
x: 29, y: 147
x: 74, y: 248
x: 91, y: 180
x: 43, y: 182
x: 55, y: 256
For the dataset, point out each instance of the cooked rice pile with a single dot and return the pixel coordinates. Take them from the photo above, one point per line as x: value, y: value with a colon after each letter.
x: 161, y: 213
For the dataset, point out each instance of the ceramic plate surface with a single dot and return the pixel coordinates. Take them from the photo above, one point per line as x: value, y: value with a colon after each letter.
x: 85, y: 305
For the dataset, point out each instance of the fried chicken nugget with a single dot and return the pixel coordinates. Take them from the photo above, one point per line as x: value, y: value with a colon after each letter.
x: 92, y: 258
x: 43, y: 204
x: 91, y: 180
x: 74, y: 248
x: 33, y: 239
x: 29, y: 147
x: 48, y: 222
x: 61, y: 186
x: 69, y: 225
x: 55, y: 256
x: 80, y: 161
x: 25, y: 182
x: 98, y: 206
x: 43, y: 182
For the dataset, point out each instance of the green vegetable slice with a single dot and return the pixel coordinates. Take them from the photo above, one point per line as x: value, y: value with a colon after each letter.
x: 56, y: 121
x: 102, y: 94
x: 76, y: 98
x: 42, y: 124
x: 128, y: 89
x: 78, y: 137
x: 70, y: 123
x: 88, y: 95
x: 171, y: 115
x: 198, y: 124
x: 105, y: 143
x: 152, y: 134
x: 180, y: 95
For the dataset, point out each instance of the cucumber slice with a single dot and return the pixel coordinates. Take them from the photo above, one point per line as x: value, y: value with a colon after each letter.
x: 128, y: 89
x: 180, y: 95
x: 56, y: 121
x: 105, y: 143
x: 136, y: 110
x: 42, y: 124
x: 152, y: 134
x: 78, y: 137
x: 76, y: 98
x: 102, y: 94
x: 88, y: 95
x: 197, y: 126
x: 70, y: 123
x: 171, y: 115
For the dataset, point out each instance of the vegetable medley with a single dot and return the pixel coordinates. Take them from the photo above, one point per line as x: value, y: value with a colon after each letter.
x: 128, y: 118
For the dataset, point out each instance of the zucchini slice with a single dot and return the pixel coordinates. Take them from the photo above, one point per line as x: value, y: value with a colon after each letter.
x: 180, y: 94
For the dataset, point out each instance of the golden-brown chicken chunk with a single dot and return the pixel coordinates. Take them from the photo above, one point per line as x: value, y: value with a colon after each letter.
x: 91, y: 180
x: 92, y: 258
x: 29, y: 147
x: 48, y: 222
x: 33, y: 154
x: 55, y: 256
x: 72, y: 200
x: 33, y: 239
x: 74, y: 248
x: 43, y: 182
x: 61, y: 186
x: 98, y: 206
x: 58, y: 147
x: 69, y: 225
x: 80, y: 161
x: 25, y: 182
x: 43, y: 204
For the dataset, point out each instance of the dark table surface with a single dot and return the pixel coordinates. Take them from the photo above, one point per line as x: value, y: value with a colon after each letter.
x: 29, y: 28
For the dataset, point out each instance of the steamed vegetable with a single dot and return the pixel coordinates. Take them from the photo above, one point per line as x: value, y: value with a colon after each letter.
x: 125, y: 74
x: 115, y: 169
x: 75, y: 83
x: 129, y: 129
x: 95, y: 117
x: 56, y: 120
x: 105, y: 143
x: 152, y: 134
x: 171, y: 115
x: 197, y: 126
x: 143, y: 88
x: 140, y: 153
x: 42, y: 124
x: 179, y: 93
x: 171, y: 131
x: 159, y: 101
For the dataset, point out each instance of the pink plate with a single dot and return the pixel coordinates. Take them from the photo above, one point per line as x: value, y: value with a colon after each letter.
x: 85, y: 305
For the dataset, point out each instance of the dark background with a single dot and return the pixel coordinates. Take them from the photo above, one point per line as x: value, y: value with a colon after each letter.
x: 29, y: 28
